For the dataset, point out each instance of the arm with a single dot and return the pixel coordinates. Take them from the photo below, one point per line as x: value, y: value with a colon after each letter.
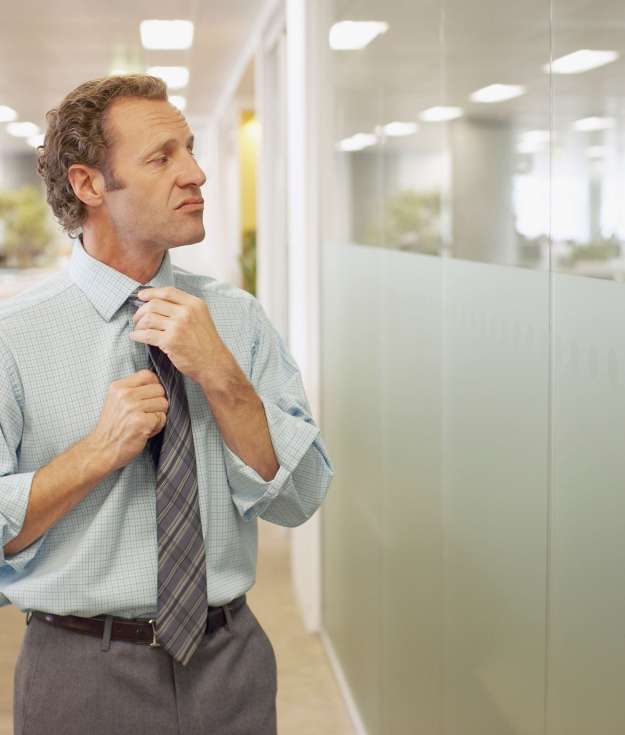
x: 56, y: 488
x: 276, y: 463
x: 31, y: 502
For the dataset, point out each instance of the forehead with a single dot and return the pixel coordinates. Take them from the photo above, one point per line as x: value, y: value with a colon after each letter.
x: 140, y: 122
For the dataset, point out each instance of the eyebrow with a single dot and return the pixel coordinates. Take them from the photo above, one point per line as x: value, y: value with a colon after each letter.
x: 165, y: 144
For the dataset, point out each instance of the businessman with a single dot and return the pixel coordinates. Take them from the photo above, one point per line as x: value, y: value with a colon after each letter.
x: 148, y: 417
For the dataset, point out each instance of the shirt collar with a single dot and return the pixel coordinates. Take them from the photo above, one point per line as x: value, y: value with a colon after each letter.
x: 107, y: 288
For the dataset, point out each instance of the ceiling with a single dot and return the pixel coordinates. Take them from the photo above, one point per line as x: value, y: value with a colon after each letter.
x: 437, y: 52
x: 48, y: 48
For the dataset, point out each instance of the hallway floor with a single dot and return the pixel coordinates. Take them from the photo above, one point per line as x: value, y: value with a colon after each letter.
x: 309, y: 701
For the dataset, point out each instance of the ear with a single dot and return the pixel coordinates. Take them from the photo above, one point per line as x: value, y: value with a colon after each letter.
x: 87, y: 183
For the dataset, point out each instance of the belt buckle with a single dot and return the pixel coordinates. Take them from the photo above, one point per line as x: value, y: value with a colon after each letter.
x: 155, y: 643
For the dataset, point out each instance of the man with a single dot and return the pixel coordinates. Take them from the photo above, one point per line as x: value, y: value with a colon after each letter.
x: 148, y: 416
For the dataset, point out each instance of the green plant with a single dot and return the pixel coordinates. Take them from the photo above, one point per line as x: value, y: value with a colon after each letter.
x: 25, y: 236
x: 410, y: 221
x: 247, y: 260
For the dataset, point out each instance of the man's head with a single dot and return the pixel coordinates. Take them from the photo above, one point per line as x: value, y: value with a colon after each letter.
x: 117, y: 156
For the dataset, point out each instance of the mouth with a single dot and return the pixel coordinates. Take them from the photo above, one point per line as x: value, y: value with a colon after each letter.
x: 191, y: 204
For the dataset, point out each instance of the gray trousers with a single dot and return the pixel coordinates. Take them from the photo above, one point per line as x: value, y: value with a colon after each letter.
x: 65, y: 684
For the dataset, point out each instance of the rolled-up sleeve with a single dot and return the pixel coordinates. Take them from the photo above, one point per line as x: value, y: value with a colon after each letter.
x: 305, y: 470
x: 14, y: 487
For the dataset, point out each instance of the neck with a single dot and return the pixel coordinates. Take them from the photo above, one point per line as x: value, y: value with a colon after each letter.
x: 138, y: 261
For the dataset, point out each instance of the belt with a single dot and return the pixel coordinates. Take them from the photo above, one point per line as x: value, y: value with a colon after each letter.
x: 135, y: 630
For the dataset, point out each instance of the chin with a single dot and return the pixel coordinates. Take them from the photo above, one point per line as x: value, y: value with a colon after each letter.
x: 191, y: 239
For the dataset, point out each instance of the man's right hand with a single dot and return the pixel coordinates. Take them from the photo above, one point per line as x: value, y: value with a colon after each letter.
x: 135, y: 410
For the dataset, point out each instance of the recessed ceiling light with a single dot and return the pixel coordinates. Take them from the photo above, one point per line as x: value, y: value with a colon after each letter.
x: 348, y: 35
x: 580, y: 61
x: 357, y: 142
x: 166, y: 34
x: 441, y: 114
x: 497, y: 93
x: 7, y: 114
x: 175, y: 77
x: 36, y: 140
x: 588, y: 124
x: 22, y: 129
x: 178, y: 101
x: 400, y: 128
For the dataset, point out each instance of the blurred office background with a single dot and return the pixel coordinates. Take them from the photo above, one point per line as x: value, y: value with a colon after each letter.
x: 428, y: 197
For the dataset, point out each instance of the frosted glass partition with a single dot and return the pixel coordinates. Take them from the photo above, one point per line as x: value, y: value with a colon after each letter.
x: 473, y: 366
x: 495, y: 495
x: 587, y: 645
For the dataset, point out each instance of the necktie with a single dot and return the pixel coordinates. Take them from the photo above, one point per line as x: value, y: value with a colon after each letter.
x: 182, y: 599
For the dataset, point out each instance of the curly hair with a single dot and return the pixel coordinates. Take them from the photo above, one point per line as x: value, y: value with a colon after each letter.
x: 77, y: 133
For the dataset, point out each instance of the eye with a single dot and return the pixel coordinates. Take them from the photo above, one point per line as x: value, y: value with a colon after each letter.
x: 161, y: 159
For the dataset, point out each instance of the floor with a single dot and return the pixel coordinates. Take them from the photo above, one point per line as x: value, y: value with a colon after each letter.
x: 309, y: 702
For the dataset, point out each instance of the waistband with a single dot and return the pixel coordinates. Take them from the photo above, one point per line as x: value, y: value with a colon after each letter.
x: 137, y: 630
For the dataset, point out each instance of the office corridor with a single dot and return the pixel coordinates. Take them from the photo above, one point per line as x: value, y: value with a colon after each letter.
x: 309, y: 702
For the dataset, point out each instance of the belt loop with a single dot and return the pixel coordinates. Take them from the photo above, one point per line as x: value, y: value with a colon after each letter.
x: 29, y: 615
x: 228, y: 614
x: 106, y: 638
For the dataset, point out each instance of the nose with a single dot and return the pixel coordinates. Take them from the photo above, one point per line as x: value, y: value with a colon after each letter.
x: 191, y: 173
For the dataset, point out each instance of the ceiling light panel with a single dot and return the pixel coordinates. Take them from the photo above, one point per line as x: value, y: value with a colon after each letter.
x: 581, y: 61
x: 589, y: 124
x: 22, y: 129
x: 497, y: 93
x: 397, y: 128
x: 348, y: 35
x: 7, y: 114
x: 166, y: 34
x: 441, y: 114
x: 357, y: 142
x: 175, y: 77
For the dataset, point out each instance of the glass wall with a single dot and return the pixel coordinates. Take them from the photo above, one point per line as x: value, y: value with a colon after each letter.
x: 473, y: 336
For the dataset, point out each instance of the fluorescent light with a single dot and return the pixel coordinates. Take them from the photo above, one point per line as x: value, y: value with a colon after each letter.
x: 400, y: 128
x: 7, y: 114
x: 580, y: 61
x: 497, y: 93
x: 175, y: 77
x: 348, y: 35
x: 589, y: 124
x: 595, y: 151
x: 22, y: 129
x: 357, y: 142
x: 178, y: 101
x: 36, y: 140
x: 441, y: 114
x: 166, y: 34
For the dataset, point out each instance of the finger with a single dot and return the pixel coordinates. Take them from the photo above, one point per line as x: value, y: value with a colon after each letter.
x: 167, y: 293
x: 143, y: 377
x: 157, y: 306
x: 154, y: 405
x: 151, y: 320
x: 152, y: 390
x: 148, y: 336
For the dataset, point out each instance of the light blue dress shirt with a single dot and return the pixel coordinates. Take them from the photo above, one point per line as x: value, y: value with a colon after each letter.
x: 62, y: 344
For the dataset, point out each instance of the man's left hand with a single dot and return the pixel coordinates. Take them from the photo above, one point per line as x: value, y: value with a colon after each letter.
x: 181, y: 326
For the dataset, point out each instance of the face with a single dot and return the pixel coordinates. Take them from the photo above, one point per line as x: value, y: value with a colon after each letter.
x: 156, y: 199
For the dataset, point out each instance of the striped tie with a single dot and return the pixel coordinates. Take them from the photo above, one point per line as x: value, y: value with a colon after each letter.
x: 182, y: 598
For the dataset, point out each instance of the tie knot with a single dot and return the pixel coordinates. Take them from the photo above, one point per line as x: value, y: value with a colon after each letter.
x: 134, y: 300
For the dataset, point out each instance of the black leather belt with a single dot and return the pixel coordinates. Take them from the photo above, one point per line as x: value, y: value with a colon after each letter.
x: 136, y: 630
